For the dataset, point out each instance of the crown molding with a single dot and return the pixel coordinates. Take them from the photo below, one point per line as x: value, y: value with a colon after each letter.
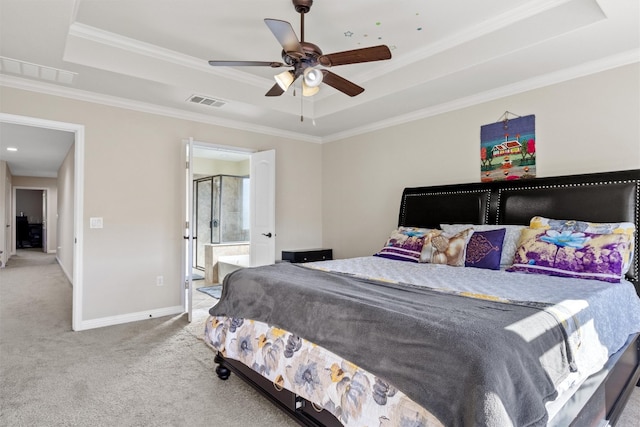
x: 112, y: 101
x: 138, y: 47
x: 588, y: 68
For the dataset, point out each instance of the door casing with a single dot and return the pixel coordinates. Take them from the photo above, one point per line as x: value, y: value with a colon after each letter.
x: 189, y: 226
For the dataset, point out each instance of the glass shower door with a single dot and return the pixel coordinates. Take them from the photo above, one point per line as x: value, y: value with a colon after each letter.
x: 203, y: 219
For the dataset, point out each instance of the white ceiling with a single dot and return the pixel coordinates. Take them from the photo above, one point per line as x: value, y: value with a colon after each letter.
x: 40, y: 151
x: 152, y: 55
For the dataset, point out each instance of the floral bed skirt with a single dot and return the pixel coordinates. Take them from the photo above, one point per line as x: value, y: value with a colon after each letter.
x: 353, y: 395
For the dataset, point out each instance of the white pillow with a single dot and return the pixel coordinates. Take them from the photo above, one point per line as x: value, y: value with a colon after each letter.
x: 509, y: 244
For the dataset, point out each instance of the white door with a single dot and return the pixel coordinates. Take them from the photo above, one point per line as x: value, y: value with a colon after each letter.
x: 44, y: 221
x: 9, y: 241
x: 187, y: 252
x: 263, y: 217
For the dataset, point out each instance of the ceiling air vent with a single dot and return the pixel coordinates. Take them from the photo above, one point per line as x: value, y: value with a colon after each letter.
x: 205, y: 100
x: 28, y: 69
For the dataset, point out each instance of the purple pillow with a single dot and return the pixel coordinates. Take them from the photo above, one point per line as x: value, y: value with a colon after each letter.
x: 404, y: 244
x: 485, y: 249
x: 570, y: 253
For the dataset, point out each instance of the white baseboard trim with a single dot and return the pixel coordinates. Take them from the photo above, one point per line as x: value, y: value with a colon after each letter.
x: 66, y: 273
x: 130, y: 317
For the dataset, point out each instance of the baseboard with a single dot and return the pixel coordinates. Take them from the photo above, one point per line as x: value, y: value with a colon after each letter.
x: 130, y: 317
x: 66, y: 273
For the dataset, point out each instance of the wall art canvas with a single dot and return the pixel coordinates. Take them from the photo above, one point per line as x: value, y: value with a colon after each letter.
x: 508, y: 149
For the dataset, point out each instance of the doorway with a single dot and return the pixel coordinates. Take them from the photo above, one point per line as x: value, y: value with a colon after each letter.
x: 31, y: 218
x: 250, y: 236
x: 221, y: 219
x: 220, y: 208
x: 68, y: 242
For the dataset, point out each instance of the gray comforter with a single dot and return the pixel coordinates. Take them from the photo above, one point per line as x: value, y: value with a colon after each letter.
x: 468, y: 361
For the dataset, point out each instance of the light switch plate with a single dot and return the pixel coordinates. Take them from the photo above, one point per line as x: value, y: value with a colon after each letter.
x: 95, y: 222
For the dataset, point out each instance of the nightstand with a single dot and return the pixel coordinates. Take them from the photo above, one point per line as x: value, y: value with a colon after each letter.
x: 307, y: 255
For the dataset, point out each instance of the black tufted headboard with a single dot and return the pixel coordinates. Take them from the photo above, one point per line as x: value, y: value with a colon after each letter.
x: 599, y: 197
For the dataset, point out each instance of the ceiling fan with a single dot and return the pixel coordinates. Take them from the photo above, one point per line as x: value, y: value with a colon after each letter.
x: 304, y: 57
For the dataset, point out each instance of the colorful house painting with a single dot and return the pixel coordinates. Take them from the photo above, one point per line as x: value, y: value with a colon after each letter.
x: 508, y: 149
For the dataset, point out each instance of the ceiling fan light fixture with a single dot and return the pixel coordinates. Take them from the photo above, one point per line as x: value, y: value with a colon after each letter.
x: 312, y: 77
x: 304, y: 57
x: 284, y: 79
x: 309, y: 90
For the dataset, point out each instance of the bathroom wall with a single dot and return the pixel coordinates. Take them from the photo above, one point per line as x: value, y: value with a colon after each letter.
x: 234, y: 210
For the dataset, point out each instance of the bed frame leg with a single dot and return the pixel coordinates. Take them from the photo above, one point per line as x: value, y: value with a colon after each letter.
x: 223, y: 372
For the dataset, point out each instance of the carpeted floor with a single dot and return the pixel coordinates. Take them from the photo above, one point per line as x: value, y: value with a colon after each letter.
x: 156, y: 372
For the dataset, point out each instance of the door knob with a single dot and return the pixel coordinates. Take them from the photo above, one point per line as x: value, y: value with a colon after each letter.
x: 267, y: 234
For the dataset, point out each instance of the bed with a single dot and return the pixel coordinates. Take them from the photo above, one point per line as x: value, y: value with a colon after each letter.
x: 439, y: 340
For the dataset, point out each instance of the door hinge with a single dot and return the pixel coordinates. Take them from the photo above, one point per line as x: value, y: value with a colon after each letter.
x: 186, y: 284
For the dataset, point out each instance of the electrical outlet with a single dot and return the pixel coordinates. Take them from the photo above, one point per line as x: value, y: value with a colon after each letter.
x: 159, y: 281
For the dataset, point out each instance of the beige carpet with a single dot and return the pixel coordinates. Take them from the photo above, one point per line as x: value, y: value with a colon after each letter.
x: 156, y: 372
x: 149, y: 373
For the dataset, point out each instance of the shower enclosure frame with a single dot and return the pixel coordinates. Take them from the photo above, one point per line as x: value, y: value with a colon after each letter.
x: 210, y: 229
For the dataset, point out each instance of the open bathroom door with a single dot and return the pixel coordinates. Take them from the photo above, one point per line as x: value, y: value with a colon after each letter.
x: 262, y: 208
x: 188, y: 227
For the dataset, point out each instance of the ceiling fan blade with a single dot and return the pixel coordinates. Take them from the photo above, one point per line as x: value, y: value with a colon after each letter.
x: 367, y: 54
x: 246, y: 64
x: 285, y: 34
x: 276, y: 90
x: 341, y: 84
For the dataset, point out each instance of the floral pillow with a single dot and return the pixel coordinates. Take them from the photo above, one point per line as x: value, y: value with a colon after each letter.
x: 484, y: 249
x: 562, y: 225
x: 509, y: 244
x: 445, y: 248
x: 404, y: 244
x: 570, y: 253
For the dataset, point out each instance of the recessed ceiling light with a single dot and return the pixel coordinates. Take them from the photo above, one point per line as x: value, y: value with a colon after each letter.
x: 12, y: 149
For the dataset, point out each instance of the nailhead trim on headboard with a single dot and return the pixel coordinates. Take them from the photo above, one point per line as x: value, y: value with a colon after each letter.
x: 636, y: 263
x: 494, y: 196
x: 445, y: 193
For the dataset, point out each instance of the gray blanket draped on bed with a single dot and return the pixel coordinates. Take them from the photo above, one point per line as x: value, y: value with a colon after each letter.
x: 463, y: 359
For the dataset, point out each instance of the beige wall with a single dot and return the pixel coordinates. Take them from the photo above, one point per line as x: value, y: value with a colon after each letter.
x: 206, y: 167
x: 133, y: 180
x: 65, y: 214
x: 584, y: 125
x: 344, y: 194
x: 51, y: 186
